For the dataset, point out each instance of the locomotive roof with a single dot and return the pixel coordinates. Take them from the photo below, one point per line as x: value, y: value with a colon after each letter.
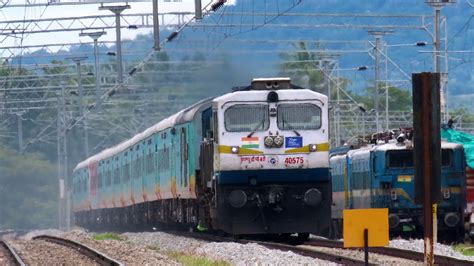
x: 394, y: 146
x: 261, y: 95
x: 387, y: 147
x: 180, y: 117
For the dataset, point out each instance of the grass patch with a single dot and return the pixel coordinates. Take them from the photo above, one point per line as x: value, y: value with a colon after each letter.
x: 467, y: 250
x: 190, y: 260
x: 107, y: 236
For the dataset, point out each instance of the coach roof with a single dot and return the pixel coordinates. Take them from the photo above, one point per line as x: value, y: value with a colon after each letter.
x: 181, y: 117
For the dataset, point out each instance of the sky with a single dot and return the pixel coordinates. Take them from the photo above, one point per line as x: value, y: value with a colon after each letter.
x: 43, y: 12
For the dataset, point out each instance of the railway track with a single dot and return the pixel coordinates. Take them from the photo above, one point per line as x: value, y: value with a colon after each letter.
x: 8, y: 255
x: 394, y: 252
x: 93, y: 254
x: 306, y: 250
x: 279, y: 246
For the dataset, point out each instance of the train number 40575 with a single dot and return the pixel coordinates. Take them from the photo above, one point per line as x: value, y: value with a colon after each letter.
x: 294, y: 160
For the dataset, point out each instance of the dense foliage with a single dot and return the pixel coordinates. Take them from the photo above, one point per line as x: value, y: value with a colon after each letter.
x: 28, y: 191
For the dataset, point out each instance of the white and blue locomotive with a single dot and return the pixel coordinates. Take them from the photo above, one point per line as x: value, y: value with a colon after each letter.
x: 382, y: 176
x: 255, y: 161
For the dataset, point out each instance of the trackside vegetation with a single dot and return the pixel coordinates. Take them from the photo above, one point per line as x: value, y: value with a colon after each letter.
x: 107, y: 236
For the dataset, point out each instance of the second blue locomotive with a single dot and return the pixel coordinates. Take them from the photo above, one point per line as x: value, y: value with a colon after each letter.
x: 382, y: 176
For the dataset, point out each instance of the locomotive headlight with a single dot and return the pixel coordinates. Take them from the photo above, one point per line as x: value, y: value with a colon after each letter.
x: 393, y: 194
x: 451, y: 219
x: 234, y: 149
x: 278, y: 141
x: 237, y: 198
x: 446, y: 193
x: 393, y: 220
x: 313, y: 197
x: 313, y: 147
x: 268, y: 141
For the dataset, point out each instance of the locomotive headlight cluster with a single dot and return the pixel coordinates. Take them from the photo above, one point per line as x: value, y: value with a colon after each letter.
x: 273, y: 141
x: 278, y: 141
x: 268, y: 141
x: 313, y: 147
x: 235, y: 149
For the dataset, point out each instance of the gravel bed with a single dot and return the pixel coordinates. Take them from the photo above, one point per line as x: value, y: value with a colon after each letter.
x: 374, y: 258
x: 4, y: 257
x: 234, y: 253
x: 418, y: 245
x: 40, y: 252
x: 254, y: 254
x: 127, y: 253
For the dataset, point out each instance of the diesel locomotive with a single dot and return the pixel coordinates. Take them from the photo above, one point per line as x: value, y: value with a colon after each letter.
x: 253, y: 161
x: 382, y: 176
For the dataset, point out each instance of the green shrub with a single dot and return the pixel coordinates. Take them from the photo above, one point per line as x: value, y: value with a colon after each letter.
x: 190, y: 260
x: 105, y: 236
x: 465, y: 249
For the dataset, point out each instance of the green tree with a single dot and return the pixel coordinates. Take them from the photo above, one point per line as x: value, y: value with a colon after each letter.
x: 28, y: 191
x: 399, y: 99
x: 303, y: 66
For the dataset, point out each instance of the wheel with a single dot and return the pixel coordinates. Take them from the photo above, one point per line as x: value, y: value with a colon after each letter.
x: 302, y: 237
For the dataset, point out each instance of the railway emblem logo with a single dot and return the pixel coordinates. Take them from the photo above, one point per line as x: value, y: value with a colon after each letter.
x: 293, y: 142
x: 273, y: 160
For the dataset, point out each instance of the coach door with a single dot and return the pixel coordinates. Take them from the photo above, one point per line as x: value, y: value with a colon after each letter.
x: 184, y: 158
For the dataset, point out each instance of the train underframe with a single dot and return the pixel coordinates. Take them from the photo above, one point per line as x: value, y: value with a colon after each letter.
x: 268, y: 210
x: 273, y: 209
x: 162, y: 214
x: 409, y: 222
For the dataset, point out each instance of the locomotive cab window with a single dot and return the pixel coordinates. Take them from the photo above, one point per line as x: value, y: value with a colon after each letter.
x: 404, y: 158
x: 246, y: 118
x: 303, y: 116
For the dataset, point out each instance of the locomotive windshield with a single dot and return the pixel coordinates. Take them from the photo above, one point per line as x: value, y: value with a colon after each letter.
x: 404, y: 158
x: 246, y: 117
x: 302, y: 116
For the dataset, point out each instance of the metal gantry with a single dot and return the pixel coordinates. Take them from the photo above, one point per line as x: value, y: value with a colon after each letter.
x: 38, y: 93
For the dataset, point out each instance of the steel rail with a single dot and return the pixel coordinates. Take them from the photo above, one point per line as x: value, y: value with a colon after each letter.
x: 309, y: 252
x: 10, y: 251
x: 304, y: 251
x: 393, y: 252
x: 97, y: 256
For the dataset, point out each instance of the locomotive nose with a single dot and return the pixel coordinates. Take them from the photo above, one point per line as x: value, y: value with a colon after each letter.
x: 313, y: 197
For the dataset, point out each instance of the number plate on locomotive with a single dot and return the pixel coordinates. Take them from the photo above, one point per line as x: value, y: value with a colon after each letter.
x: 294, y: 161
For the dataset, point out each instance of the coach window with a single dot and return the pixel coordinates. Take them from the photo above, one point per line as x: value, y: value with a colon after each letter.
x: 246, y: 118
x: 100, y: 180
x: 303, y: 116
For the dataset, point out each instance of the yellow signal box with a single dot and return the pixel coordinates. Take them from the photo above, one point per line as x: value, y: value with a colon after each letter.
x: 356, y: 221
